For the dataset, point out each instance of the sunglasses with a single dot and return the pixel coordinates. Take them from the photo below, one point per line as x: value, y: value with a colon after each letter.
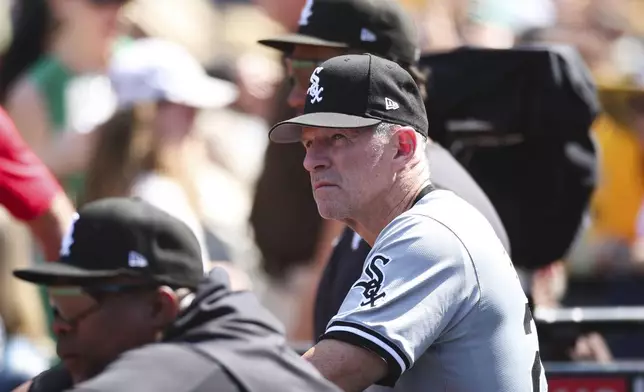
x: 302, y: 63
x: 299, y: 70
x: 98, y: 292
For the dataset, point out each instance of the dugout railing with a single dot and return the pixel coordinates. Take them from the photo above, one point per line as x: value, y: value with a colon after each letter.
x: 617, y: 376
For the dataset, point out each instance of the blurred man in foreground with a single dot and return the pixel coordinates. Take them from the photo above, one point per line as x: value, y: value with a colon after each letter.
x: 130, y: 275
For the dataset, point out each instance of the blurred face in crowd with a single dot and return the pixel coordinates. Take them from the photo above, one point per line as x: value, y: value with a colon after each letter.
x: 284, y: 12
x: 173, y: 121
x: 300, y: 64
x: 92, y: 24
x: 637, y: 117
x: 350, y: 169
x: 95, y: 325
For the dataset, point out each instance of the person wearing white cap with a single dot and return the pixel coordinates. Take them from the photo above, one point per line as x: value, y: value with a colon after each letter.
x: 153, y: 70
x: 146, y: 149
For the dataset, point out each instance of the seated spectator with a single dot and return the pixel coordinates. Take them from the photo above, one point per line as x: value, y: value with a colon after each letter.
x: 146, y: 149
x: 52, y: 79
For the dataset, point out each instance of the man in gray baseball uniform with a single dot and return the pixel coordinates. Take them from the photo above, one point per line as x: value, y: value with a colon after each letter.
x: 438, y: 306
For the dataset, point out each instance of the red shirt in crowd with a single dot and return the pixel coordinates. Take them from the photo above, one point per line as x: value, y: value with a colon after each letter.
x: 27, y: 187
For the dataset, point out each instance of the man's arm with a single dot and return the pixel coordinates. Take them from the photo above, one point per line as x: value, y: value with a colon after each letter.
x: 50, y: 227
x: 24, y: 387
x: 410, y: 292
x: 55, y: 379
x: 350, y: 367
x: 29, y: 191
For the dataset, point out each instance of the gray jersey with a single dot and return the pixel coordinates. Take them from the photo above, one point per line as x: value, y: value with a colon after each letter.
x: 440, y: 302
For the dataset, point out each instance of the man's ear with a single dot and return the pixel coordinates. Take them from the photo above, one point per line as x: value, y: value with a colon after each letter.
x: 405, y: 139
x: 166, y: 307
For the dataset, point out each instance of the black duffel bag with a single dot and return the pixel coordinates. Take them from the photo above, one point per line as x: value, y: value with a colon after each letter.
x: 519, y: 120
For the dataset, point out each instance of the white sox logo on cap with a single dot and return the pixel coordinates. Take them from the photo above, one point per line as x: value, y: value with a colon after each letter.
x: 68, y: 239
x: 306, y: 13
x: 315, y: 90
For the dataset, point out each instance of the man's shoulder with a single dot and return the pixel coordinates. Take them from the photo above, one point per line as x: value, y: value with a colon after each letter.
x: 431, y: 218
x: 54, y: 379
x: 446, y: 215
x: 160, y: 367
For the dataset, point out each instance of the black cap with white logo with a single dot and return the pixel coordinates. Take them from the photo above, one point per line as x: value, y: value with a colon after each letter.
x: 381, y: 27
x: 123, y: 237
x: 357, y: 91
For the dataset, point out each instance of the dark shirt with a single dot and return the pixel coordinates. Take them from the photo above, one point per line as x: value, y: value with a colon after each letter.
x: 224, y: 341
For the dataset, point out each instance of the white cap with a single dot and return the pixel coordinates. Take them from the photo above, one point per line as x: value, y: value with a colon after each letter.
x: 152, y: 69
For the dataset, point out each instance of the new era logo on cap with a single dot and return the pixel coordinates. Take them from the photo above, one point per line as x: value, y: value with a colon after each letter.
x: 367, y: 35
x: 390, y: 104
x: 136, y: 260
x: 123, y: 237
x: 357, y: 91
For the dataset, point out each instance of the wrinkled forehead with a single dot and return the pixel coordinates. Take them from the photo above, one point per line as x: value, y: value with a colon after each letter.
x: 313, y: 132
x: 315, y: 52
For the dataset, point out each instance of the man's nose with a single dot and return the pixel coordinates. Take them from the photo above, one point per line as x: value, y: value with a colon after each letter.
x: 316, y: 159
x: 297, y: 98
x: 60, y: 327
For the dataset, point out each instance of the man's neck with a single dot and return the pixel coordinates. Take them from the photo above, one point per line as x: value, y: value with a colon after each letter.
x: 375, y: 217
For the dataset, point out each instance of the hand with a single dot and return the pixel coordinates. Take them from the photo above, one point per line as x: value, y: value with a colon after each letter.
x: 591, y: 347
x: 549, y: 285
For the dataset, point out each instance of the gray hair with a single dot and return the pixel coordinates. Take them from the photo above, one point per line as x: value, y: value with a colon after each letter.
x: 384, y: 130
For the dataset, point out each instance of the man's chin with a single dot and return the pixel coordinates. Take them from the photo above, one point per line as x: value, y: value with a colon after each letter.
x: 78, y: 370
x: 328, y: 212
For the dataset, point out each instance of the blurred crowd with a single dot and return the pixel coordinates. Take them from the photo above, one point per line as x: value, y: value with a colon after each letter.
x: 68, y: 66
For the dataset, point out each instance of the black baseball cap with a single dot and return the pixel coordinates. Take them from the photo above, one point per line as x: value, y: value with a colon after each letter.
x: 357, y: 91
x: 381, y: 27
x: 116, y: 237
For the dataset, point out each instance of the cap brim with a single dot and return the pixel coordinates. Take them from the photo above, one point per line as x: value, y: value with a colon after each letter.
x: 202, y: 93
x: 290, y: 131
x: 52, y: 273
x: 207, y: 93
x: 285, y: 43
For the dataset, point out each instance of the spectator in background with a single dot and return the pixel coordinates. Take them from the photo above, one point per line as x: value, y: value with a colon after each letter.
x: 31, y: 194
x: 147, y: 148
x: 55, y: 42
x: 636, y: 104
x: 285, y: 12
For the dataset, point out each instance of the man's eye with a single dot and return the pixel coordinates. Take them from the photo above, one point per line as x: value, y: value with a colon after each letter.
x: 338, y: 136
